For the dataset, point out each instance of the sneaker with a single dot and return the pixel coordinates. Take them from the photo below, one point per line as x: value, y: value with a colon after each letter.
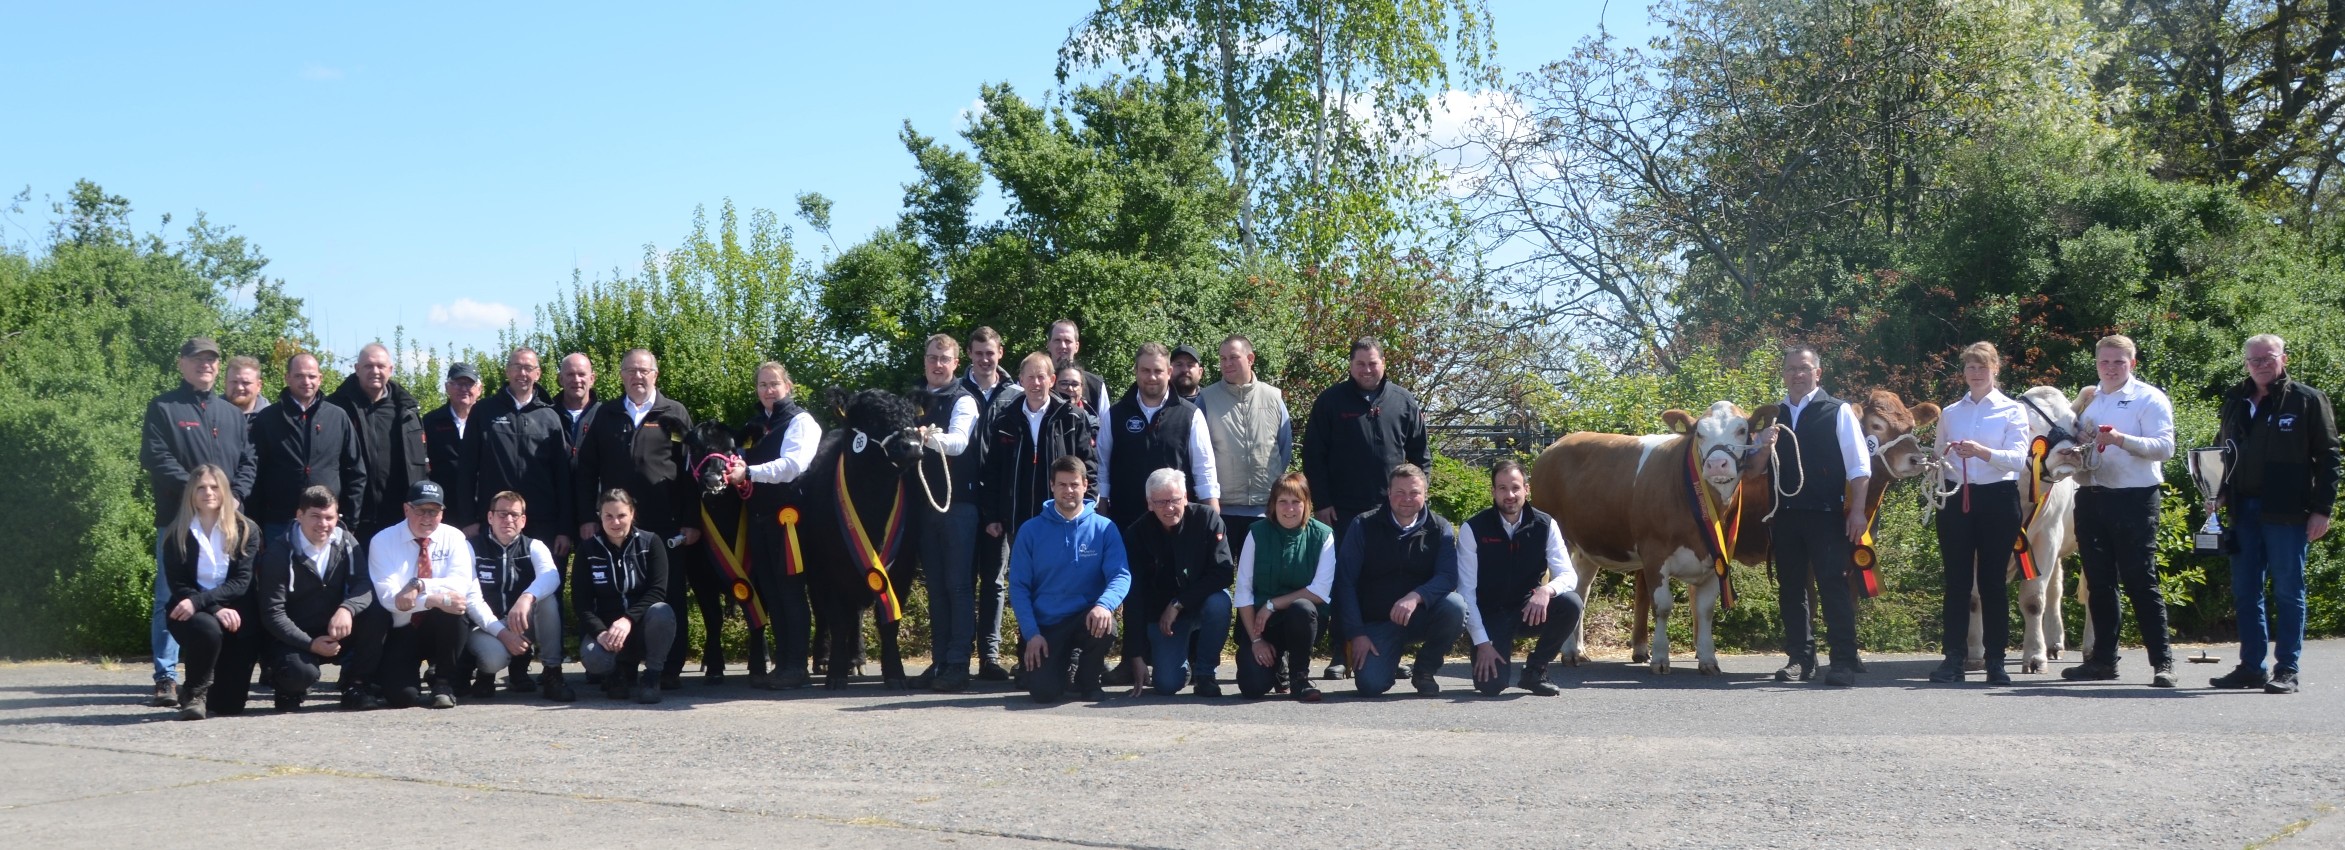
x: 1309, y: 694
x: 357, y: 699
x: 2283, y: 682
x: 288, y: 704
x: 193, y: 711
x: 1426, y: 685
x: 647, y: 693
x: 2163, y: 677
x: 1840, y: 675
x: 991, y: 670
x: 553, y: 687
x: 484, y: 686
x: 166, y: 695
x: 1536, y: 682
x: 1336, y: 671
x: 442, y: 699
x: 1948, y: 671
x: 1804, y: 671
x: 2240, y: 678
x: 2091, y: 671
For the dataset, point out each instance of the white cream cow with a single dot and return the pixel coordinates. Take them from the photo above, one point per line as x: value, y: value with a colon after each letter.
x: 2050, y: 531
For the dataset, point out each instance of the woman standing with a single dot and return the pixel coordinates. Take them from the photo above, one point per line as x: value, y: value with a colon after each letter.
x: 1984, y: 435
x: 1284, y: 575
x: 207, y: 564
x: 785, y: 437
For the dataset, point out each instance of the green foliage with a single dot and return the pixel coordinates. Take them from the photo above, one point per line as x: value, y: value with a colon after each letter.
x: 1458, y: 490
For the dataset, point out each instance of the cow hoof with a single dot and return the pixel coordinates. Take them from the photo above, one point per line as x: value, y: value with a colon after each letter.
x: 1974, y: 664
x: 1571, y: 659
x: 2032, y: 665
x: 1661, y: 667
x: 1642, y: 656
x: 1708, y: 668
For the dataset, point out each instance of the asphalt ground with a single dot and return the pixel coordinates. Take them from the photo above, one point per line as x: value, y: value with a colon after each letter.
x: 1622, y: 759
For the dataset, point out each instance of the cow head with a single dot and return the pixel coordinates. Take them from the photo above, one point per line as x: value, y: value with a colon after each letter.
x: 1889, y: 432
x: 880, y: 422
x: 713, y: 450
x: 2049, y: 416
x: 1721, y: 439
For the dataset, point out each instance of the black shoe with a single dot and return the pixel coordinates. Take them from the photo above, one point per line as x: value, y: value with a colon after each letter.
x: 288, y: 704
x: 1804, y: 671
x: 2163, y: 676
x: 615, y: 687
x: 1425, y: 685
x: 357, y: 699
x: 991, y: 670
x: 1998, y: 675
x: 1336, y: 671
x: 926, y: 680
x: 2283, y: 682
x: 2240, y: 678
x: 1309, y: 694
x: 790, y: 680
x: 950, y: 682
x: 761, y: 682
x: 193, y: 711
x: 1536, y: 682
x: 484, y: 686
x: 2090, y: 671
x: 647, y: 693
x: 1117, y: 676
x: 1095, y: 695
x: 443, y: 695
x: 1840, y: 675
x: 166, y: 695
x: 1948, y: 671
x: 712, y: 678
x: 1856, y: 665
x: 552, y: 687
x: 671, y: 681
x: 1206, y: 688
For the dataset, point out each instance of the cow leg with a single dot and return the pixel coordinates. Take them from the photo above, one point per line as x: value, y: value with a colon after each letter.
x: 1574, y: 645
x: 1705, y: 598
x: 1975, y: 649
x: 846, y: 641
x: 2031, y: 621
x: 2055, y: 623
x: 891, y: 656
x: 2085, y: 646
x: 756, y: 646
x: 1638, y: 653
x: 1661, y: 602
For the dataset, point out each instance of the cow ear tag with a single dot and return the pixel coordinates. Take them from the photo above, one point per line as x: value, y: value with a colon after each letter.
x: 861, y: 441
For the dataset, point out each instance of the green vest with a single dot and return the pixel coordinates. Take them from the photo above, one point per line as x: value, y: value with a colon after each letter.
x: 1285, y: 559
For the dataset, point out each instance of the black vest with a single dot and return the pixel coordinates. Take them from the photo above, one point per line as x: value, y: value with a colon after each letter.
x: 763, y: 434
x: 1144, y: 445
x: 504, y: 571
x: 1507, y: 569
x: 1814, y: 457
x: 936, y: 408
x: 1394, y: 563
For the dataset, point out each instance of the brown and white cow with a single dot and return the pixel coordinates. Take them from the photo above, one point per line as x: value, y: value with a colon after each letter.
x: 1626, y: 504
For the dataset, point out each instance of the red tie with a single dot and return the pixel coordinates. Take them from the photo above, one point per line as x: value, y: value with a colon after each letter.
x: 423, y: 557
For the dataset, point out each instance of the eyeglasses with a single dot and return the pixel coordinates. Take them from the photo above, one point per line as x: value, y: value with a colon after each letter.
x: 506, y: 514
x: 2265, y: 360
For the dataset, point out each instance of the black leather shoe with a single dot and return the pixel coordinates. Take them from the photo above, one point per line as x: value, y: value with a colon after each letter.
x: 1998, y: 675
x: 288, y: 704
x: 1207, y: 688
x: 1117, y: 676
x: 357, y: 699
x: 1095, y: 695
x: 647, y: 694
x: 1536, y: 682
x: 1803, y: 671
x: 991, y: 670
x: 2240, y: 678
x: 2163, y: 676
x: 1426, y: 685
x: 671, y: 681
x: 950, y: 682
x: 1335, y: 672
x: 789, y: 680
x: 2283, y: 682
x: 484, y: 686
x: 1948, y: 671
x: 1840, y: 675
x: 2090, y: 671
x: 553, y: 687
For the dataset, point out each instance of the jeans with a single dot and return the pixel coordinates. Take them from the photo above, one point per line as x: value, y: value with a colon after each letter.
x: 1289, y: 634
x: 159, y: 640
x: 992, y: 569
x: 1563, y: 617
x: 1073, y: 652
x: 1171, y: 656
x: 946, y: 558
x: 2117, y: 535
x: 2274, y: 550
x: 1975, y: 545
x: 1434, y: 627
x: 648, y: 642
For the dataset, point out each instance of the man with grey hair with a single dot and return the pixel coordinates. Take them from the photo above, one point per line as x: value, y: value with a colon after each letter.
x: 2282, y: 491
x: 1181, y: 577
x: 389, y: 423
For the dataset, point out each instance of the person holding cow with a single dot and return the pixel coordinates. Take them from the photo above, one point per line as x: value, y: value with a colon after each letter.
x: 637, y: 445
x: 185, y: 428
x: 2131, y: 426
x: 1359, y: 431
x: 1984, y: 435
x: 620, y: 581
x: 1396, y: 584
x: 1068, y: 574
x: 782, y: 438
x: 1823, y: 474
x: 1181, y: 574
x: 1148, y: 430
x: 1039, y: 427
x: 2282, y: 491
x: 1514, y: 576
x: 1286, y: 574
x: 947, y: 424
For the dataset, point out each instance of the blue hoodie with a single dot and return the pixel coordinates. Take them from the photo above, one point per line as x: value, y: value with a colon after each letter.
x: 1060, y: 567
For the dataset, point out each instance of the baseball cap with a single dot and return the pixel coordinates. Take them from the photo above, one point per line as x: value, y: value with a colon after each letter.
x: 463, y: 370
x: 426, y: 493
x: 1190, y: 350
x: 199, y: 345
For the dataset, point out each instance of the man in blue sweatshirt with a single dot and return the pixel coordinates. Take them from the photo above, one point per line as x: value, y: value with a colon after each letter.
x: 1396, y: 584
x: 1067, y: 575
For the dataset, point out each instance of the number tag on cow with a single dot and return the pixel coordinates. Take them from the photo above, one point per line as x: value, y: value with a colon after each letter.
x: 861, y: 441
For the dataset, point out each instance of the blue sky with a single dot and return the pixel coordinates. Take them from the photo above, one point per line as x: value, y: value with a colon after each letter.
x: 444, y: 167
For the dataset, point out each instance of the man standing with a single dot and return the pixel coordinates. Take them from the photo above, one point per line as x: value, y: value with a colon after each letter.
x: 1514, y: 576
x: 447, y: 441
x: 1359, y: 431
x: 422, y: 574
x: 389, y: 424
x: 1181, y: 576
x: 299, y: 443
x: 519, y: 582
x: 576, y: 403
x: 1253, y: 439
x: 996, y: 392
x: 1039, y: 428
x: 1396, y: 584
x: 2132, y: 424
x: 518, y: 441
x: 1150, y: 430
x: 186, y: 428
x: 242, y: 389
x: 1065, y: 343
x: 312, y: 590
x: 1067, y: 576
x: 2282, y: 492
x: 1817, y: 529
x: 637, y: 445
x: 1188, y: 373
x: 947, y: 424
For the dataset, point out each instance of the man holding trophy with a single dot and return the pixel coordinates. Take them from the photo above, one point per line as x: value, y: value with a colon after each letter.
x: 2283, y: 485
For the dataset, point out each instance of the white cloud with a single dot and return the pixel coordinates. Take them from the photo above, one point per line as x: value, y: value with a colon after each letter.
x: 320, y: 73
x: 470, y: 315
x: 970, y: 114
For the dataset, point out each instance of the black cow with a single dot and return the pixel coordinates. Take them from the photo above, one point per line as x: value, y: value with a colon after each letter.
x: 713, y: 448
x: 873, y: 456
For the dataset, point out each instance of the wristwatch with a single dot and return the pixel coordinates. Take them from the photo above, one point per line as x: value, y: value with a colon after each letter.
x: 1269, y: 605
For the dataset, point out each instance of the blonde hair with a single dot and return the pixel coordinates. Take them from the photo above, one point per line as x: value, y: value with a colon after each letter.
x: 775, y: 366
x: 1038, y: 359
x: 230, y: 521
x: 1982, y: 353
x: 2120, y: 342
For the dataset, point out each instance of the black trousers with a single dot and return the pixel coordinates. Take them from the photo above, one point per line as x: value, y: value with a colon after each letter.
x: 1813, y: 545
x: 1237, y: 527
x: 362, y: 651
x: 786, y: 606
x: 219, y: 662
x: 1330, y: 627
x: 293, y: 671
x: 1975, y: 545
x: 1504, y: 624
x: 2117, y: 533
x: 1289, y: 634
x: 1073, y: 652
x: 434, y: 638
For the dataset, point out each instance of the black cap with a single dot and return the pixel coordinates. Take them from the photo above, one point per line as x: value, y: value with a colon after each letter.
x: 199, y: 345
x: 426, y: 493
x: 1190, y: 350
x: 461, y: 369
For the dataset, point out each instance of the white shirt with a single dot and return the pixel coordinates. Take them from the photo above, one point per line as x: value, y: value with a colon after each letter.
x: 1997, y: 422
x: 1034, y: 420
x: 799, y: 439
x: 1322, y: 576
x: 460, y: 421
x: 954, y: 439
x: 2146, y: 417
x: 211, y: 555
x: 1853, y: 454
x: 1202, y: 478
x: 635, y: 412
x: 390, y: 562
x: 316, y: 553
x: 1560, y: 575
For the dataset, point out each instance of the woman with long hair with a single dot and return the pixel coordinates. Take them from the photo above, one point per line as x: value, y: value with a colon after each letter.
x: 207, y: 564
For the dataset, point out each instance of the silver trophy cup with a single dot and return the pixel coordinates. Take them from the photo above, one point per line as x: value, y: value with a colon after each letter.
x: 2210, y: 469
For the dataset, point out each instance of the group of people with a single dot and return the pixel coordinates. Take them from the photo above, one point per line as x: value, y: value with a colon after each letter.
x: 423, y: 553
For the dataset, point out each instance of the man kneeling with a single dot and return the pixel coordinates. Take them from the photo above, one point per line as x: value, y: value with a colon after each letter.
x: 1515, y: 576
x: 1181, y: 574
x: 1396, y: 584
x: 621, y: 586
x: 312, y: 591
x: 1067, y: 575
x: 421, y: 569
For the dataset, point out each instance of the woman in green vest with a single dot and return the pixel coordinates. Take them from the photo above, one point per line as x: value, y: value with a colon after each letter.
x: 1284, y: 575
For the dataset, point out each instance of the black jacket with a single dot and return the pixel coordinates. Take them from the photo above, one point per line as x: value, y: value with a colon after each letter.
x: 2287, y: 457
x: 295, y: 605
x: 1187, y: 563
x: 1005, y: 393
x: 1017, y: 470
x: 295, y: 450
x: 185, y: 429
x: 647, y: 462
x: 390, y: 438
x: 524, y: 448
x: 179, y: 557
x: 445, y: 451
x: 1354, y: 439
x: 609, y: 582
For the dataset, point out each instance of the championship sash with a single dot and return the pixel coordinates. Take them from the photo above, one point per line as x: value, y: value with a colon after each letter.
x: 874, y: 559
x: 731, y: 552
x: 1718, y: 523
x: 2038, y: 450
